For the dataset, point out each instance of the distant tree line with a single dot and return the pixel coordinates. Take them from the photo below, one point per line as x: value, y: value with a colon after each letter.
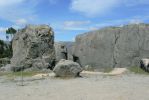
x: 5, y: 49
x: 10, y: 33
x: 6, y: 46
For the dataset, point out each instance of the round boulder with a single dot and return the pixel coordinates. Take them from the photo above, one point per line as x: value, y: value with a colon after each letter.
x: 67, y: 68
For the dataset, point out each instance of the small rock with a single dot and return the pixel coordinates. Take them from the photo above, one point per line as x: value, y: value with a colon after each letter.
x: 6, y: 68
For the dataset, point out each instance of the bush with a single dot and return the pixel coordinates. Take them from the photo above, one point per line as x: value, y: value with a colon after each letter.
x: 5, y: 49
x: 137, y: 70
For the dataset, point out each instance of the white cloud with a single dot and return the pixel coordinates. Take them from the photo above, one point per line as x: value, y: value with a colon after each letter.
x: 75, y: 25
x: 3, y: 29
x: 4, y: 3
x: 121, y: 22
x: 21, y: 21
x: 14, y: 10
x: 136, y: 21
x: 93, y: 7
x: 131, y: 3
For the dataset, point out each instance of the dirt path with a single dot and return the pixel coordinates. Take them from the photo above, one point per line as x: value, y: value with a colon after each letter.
x: 90, y: 87
x: 115, y: 71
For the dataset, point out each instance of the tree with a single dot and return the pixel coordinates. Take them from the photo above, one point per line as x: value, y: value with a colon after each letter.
x: 10, y: 31
x: 5, y: 49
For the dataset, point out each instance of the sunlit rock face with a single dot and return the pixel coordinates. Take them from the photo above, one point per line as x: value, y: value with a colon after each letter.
x: 113, y: 46
x: 33, y: 48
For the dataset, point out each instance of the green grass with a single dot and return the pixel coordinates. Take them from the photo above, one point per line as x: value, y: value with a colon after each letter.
x: 107, y: 70
x: 18, y: 74
x: 93, y: 69
x: 137, y: 70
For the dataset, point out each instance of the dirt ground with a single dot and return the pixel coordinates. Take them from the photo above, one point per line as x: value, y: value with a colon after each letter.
x: 88, y: 87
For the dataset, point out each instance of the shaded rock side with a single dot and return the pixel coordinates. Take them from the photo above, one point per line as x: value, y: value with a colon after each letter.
x: 144, y: 64
x: 60, y: 51
x: 67, y: 68
x: 113, y: 46
x: 64, y: 50
x: 33, y: 47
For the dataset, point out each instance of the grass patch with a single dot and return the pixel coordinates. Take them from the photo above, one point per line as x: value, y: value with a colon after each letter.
x: 137, y: 70
x: 18, y: 74
x: 107, y: 70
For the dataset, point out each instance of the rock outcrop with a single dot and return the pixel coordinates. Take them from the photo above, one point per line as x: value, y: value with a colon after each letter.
x: 67, y: 68
x: 113, y: 46
x: 64, y: 50
x: 60, y: 51
x: 33, y: 48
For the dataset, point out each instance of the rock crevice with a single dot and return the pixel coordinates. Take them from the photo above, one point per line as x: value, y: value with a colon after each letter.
x: 117, y: 36
x: 113, y: 46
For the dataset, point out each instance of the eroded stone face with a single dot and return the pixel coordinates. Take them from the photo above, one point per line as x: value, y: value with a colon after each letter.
x: 60, y: 51
x: 64, y: 50
x: 113, y: 46
x: 33, y: 47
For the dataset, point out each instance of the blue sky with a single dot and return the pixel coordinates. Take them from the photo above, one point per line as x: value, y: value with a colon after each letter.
x: 71, y: 17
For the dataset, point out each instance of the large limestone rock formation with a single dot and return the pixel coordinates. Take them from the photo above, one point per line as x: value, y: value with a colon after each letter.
x: 113, y: 46
x: 67, y: 68
x: 33, y: 48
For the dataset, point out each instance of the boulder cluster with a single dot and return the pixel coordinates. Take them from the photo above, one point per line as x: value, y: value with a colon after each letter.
x: 34, y: 49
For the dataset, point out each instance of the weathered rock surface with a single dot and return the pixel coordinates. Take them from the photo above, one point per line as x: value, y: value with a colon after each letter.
x: 64, y: 50
x: 113, y: 46
x: 67, y: 68
x: 33, y: 47
x: 60, y: 51
x: 70, y: 50
x: 6, y: 68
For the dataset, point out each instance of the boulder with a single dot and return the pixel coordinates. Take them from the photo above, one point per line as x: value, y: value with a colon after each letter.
x: 6, y: 68
x: 67, y: 68
x: 113, y: 46
x: 33, y: 47
x: 4, y: 61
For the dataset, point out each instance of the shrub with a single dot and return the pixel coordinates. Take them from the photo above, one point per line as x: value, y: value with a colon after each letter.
x: 137, y: 70
x: 5, y: 49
